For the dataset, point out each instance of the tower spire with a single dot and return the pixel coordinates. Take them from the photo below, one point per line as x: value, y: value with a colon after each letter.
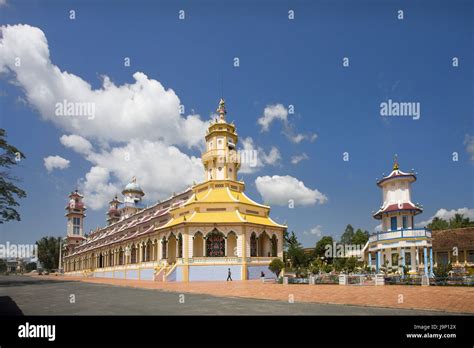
x: 221, y: 110
x: 395, y: 162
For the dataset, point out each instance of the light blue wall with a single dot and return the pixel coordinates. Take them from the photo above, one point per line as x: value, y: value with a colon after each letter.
x: 98, y: 274
x: 253, y: 272
x: 179, y: 274
x: 214, y: 272
x: 119, y: 274
x: 147, y: 274
x: 108, y: 275
x: 132, y: 274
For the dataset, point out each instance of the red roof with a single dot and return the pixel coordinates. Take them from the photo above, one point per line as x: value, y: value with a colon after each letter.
x: 397, y: 174
x: 396, y: 207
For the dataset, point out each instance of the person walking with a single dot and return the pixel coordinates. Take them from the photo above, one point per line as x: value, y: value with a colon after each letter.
x: 229, y: 275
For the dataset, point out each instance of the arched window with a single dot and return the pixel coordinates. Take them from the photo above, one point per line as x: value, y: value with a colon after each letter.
x: 180, y: 246
x: 163, y: 248
x: 274, y: 246
x: 149, y: 251
x: 121, y: 257
x: 215, y: 244
x: 253, y: 245
x: 134, y: 254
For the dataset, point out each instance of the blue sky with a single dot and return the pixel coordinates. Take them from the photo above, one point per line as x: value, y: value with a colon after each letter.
x: 282, y: 61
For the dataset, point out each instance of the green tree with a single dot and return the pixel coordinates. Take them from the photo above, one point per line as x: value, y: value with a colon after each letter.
x: 295, y: 253
x: 320, y: 248
x: 348, y: 234
x: 30, y: 266
x: 459, y: 221
x: 351, y: 264
x: 339, y: 264
x: 3, y: 266
x: 360, y: 237
x: 276, y: 266
x: 438, y: 224
x: 9, y: 192
x: 48, y: 252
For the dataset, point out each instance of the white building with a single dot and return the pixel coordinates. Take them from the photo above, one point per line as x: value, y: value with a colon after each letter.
x: 399, y: 243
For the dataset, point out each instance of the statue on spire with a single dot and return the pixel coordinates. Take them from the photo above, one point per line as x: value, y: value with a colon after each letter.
x: 395, y: 163
x: 221, y: 110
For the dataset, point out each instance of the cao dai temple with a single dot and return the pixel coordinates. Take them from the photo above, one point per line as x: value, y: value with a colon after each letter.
x: 199, y: 234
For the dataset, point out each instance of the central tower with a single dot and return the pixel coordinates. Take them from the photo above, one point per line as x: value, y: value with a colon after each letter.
x: 221, y: 160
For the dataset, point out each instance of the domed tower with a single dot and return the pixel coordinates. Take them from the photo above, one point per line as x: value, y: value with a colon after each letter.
x: 399, y: 245
x: 75, y: 214
x: 221, y: 160
x: 132, y: 197
x: 397, y: 210
x: 113, y: 214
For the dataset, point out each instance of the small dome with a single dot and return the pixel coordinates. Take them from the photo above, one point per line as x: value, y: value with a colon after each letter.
x: 133, y: 187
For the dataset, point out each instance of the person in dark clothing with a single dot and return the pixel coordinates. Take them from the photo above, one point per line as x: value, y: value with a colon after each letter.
x: 229, y: 275
x: 262, y: 275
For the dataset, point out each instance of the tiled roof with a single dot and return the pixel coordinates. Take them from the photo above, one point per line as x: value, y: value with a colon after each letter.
x: 462, y: 238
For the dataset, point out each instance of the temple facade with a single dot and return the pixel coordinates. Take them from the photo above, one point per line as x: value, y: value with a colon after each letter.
x: 399, y: 243
x: 199, y: 234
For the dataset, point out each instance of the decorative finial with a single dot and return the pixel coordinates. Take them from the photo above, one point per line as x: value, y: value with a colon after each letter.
x: 221, y: 110
x: 395, y: 163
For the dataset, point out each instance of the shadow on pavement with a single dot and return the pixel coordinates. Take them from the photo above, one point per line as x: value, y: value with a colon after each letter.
x: 7, y: 281
x: 8, y: 306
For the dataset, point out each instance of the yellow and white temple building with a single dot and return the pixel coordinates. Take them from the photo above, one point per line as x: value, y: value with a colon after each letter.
x: 200, y: 234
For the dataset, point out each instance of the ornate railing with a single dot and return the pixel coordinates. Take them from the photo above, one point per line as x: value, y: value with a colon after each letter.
x: 402, y: 233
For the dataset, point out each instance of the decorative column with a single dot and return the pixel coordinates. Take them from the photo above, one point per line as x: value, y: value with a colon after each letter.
x: 378, y: 261
x: 185, y: 239
x: 204, y: 239
x: 402, y: 252
x: 370, y: 261
x: 425, y: 260
x: 431, y: 262
x: 417, y: 259
x: 244, y: 254
x: 140, y: 252
x: 226, y: 252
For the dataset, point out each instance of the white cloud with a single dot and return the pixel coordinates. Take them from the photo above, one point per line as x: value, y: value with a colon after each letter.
x: 279, y: 190
x: 315, y: 231
x: 256, y: 157
x: 279, y: 112
x: 271, y: 113
x: 3, y: 3
x: 77, y: 143
x: 469, y: 142
x: 160, y: 170
x: 143, y: 109
x: 55, y: 162
x: 97, y: 188
x: 298, y: 158
x: 448, y: 214
x: 135, y: 130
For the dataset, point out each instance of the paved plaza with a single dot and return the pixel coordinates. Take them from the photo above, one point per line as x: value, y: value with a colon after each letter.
x: 51, y: 295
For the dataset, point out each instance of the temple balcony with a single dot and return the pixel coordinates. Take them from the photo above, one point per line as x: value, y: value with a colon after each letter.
x: 402, y: 233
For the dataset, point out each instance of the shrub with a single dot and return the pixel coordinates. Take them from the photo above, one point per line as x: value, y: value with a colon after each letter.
x: 276, y: 266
